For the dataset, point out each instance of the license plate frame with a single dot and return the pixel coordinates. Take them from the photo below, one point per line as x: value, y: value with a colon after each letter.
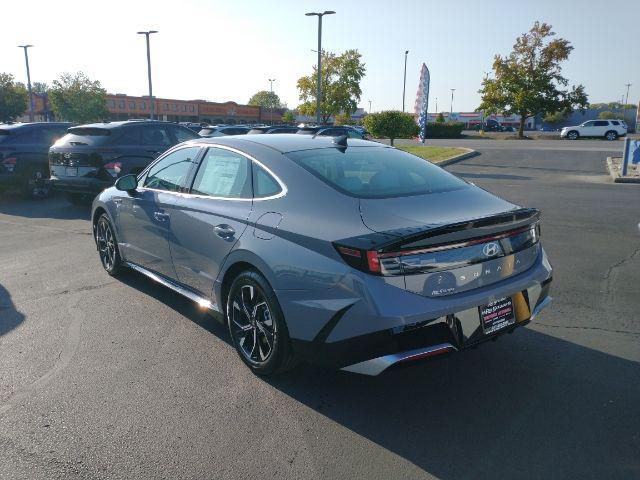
x: 497, y: 315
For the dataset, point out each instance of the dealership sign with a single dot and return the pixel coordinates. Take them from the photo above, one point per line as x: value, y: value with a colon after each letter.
x: 422, y: 101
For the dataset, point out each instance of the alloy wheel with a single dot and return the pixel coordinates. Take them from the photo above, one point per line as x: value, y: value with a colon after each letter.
x: 106, y: 244
x: 252, y: 324
x: 611, y: 136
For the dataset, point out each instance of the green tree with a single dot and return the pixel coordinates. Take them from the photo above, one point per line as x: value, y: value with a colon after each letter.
x: 555, y: 117
x: 267, y: 99
x: 13, y: 98
x: 343, y: 119
x: 288, y: 117
x: 440, y: 118
x: 391, y: 124
x: 340, y: 82
x: 529, y: 81
x: 76, y: 98
x: 39, y: 87
x: 606, y: 115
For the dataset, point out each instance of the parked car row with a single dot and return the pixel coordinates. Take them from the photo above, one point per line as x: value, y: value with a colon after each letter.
x: 322, y: 130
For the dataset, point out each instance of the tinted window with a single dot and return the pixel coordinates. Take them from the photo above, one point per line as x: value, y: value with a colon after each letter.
x: 182, y: 134
x: 354, y: 134
x: 588, y: 124
x: 129, y: 135
x: 85, y: 136
x: 331, y: 132
x: 170, y: 172
x: 223, y: 174
x: 374, y: 172
x: 615, y: 122
x: 601, y: 123
x: 264, y: 185
x: 155, y: 135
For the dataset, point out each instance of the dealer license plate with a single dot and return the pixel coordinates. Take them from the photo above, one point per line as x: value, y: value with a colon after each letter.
x: 497, y: 315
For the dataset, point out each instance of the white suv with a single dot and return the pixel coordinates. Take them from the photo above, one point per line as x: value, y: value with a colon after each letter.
x: 609, y: 129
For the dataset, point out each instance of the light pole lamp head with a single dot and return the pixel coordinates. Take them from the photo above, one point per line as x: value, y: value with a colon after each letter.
x: 25, y: 46
x: 406, y: 52
x: 148, y: 33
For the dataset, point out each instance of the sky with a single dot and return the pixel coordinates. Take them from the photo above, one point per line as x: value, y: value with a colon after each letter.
x: 226, y: 50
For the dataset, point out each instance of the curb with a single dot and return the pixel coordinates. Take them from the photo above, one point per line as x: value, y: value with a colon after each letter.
x: 458, y: 158
x: 616, y: 177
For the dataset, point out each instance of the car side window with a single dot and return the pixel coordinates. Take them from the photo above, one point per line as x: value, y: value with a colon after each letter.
x: 601, y: 123
x: 182, y: 134
x: 588, y: 124
x: 264, y: 185
x: 223, y: 173
x: 129, y: 135
x: 615, y: 122
x: 171, y: 172
x: 353, y: 134
x: 155, y: 135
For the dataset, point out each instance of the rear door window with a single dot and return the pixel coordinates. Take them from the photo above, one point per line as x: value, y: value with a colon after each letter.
x: 601, y: 123
x: 155, y: 135
x: 223, y: 173
x: 615, y: 122
x: 171, y: 172
x: 264, y: 185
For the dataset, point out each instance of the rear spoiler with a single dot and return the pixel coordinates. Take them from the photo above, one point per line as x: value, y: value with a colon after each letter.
x: 433, y: 235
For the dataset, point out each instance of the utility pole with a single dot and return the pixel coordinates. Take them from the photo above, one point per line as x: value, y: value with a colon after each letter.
x: 146, y: 34
x: 404, y: 84
x: 318, y: 92
x: 26, y: 61
x: 271, y: 80
x: 370, y: 107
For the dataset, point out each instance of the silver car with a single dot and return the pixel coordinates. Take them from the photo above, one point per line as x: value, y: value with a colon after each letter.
x: 336, y: 251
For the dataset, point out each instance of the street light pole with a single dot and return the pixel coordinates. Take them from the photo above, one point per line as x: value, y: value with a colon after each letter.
x: 146, y: 34
x: 370, y: 107
x: 436, y: 105
x: 318, y: 90
x: 26, y: 61
x: 625, y: 101
x: 404, y: 84
x: 271, y: 80
x: 451, y: 110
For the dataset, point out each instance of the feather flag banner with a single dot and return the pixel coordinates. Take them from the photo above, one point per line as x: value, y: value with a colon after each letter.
x: 422, y: 101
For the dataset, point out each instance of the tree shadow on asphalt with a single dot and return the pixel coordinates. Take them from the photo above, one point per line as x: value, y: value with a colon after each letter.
x: 529, y: 406
x: 55, y: 207
x: 10, y: 317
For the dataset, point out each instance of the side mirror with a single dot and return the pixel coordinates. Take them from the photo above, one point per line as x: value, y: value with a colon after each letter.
x: 127, y: 183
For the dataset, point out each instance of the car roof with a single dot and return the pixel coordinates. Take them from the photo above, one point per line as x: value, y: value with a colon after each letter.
x: 109, y: 125
x: 284, y: 143
x: 32, y: 124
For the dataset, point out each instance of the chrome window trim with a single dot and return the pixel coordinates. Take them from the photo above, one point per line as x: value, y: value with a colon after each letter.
x: 283, y: 187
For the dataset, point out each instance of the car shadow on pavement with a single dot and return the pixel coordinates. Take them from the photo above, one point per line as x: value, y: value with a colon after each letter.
x: 529, y: 406
x: 10, y: 317
x: 54, y: 207
x: 175, y: 301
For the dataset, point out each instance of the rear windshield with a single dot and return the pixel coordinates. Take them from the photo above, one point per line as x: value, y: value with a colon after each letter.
x: 376, y: 172
x: 85, y: 136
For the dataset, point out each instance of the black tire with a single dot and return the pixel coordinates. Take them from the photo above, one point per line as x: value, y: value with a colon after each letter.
x: 257, y: 326
x: 611, y: 135
x: 108, y: 246
x: 573, y: 135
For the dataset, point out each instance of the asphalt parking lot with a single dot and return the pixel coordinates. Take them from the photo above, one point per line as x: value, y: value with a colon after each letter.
x: 106, y: 378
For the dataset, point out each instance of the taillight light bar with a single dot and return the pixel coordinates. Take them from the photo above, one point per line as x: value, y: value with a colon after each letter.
x: 364, y: 260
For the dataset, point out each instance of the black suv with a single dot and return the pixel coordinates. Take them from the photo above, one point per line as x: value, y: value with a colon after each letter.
x: 23, y: 153
x: 90, y: 157
x: 331, y: 131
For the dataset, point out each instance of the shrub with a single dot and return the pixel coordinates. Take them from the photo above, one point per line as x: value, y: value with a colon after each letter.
x: 391, y: 124
x: 444, y: 130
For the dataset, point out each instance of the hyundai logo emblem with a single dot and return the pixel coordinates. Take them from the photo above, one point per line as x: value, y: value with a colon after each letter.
x: 491, y: 249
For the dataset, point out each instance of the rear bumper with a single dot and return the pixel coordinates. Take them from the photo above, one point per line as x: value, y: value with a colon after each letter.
x: 84, y: 185
x: 379, y: 325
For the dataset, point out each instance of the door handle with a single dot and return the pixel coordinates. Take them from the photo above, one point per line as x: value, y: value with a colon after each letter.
x: 161, y: 216
x: 224, y: 231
